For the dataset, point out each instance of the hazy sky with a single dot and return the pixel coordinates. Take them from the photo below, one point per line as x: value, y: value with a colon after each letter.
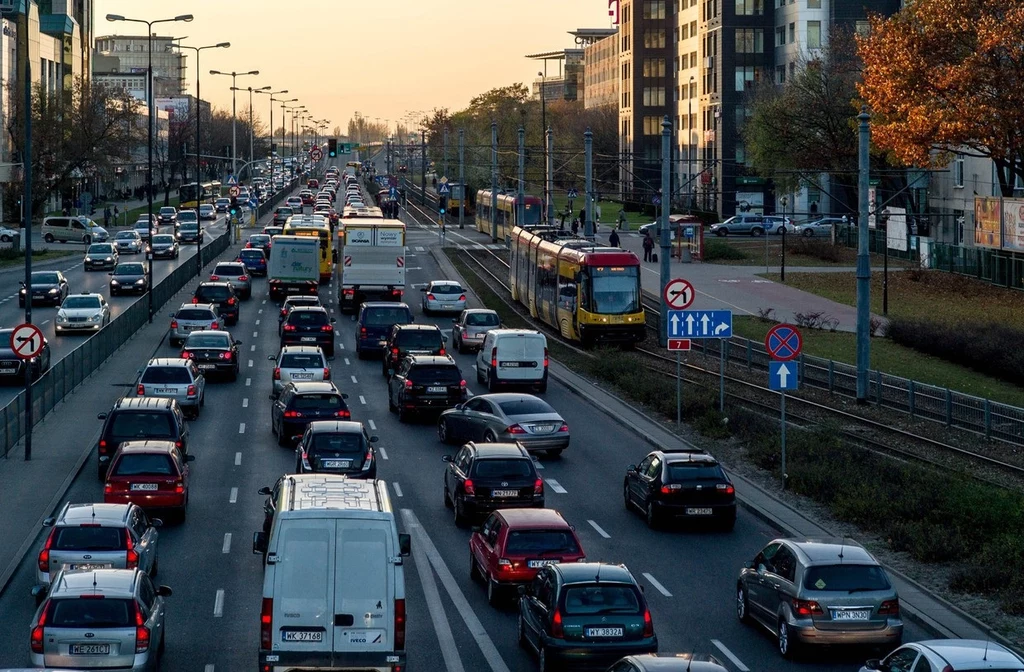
x: 382, y: 59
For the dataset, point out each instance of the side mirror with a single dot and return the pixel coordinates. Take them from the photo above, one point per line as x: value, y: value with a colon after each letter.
x: 238, y: 342
x: 156, y: 522
x: 748, y: 565
x: 170, y: 314
x: 265, y: 490
x: 49, y: 522
x: 39, y: 592
x: 446, y: 458
x: 164, y: 591
x: 190, y: 458
x: 631, y: 469
x: 876, y: 664
x: 455, y: 320
x: 344, y: 395
x: 374, y: 439
x: 760, y: 569
x: 111, y: 273
x: 405, y: 544
x: 101, y: 416
x: 333, y: 320
x: 21, y: 282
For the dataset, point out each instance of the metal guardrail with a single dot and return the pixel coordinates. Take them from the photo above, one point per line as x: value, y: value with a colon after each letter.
x: 72, y: 369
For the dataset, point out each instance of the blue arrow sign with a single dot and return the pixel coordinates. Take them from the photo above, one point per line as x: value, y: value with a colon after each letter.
x: 700, y: 324
x: 573, y: 193
x: 393, y: 192
x: 381, y: 179
x: 443, y: 189
x: 782, y: 376
x: 656, y: 200
x: 253, y: 203
x: 232, y: 180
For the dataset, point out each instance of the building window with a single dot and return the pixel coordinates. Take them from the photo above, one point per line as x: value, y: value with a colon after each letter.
x: 693, y: 28
x: 654, y: 67
x: 780, y: 36
x: 863, y: 28
x: 792, y: 32
x: 814, y: 34
x: 625, y: 128
x: 654, y: 9
x: 654, y: 96
x: 750, y: 7
x: 813, y: 4
x: 686, y: 31
x: 746, y: 76
x: 652, y: 125
x: 958, y: 172
x: 693, y: 59
x: 749, y: 40
x: 741, y: 153
x: 654, y: 39
x: 693, y: 89
x: 780, y: 74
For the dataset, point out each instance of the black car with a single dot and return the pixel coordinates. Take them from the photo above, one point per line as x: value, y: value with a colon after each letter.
x: 213, y: 352
x: 190, y: 232
x: 222, y: 295
x: 411, y: 339
x: 337, y: 447
x: 425, y: 383
x: 11, y: 367
x: 680, y: 485
x: 47, y: 287
x: 137, y: 419
x: 375, y: 321
x: 259, y: 241
x: 164, y: 246
x: 129, y: 278
x: 302, y: 403
x: 482, y: 477
x: 309, y: 325
x: 291, y: 302
x: 282, y: 214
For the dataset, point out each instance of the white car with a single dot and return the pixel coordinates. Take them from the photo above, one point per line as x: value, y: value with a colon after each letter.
x: 7, y: 235
x: 128, y: 241
x: 82, y: 312
x: 443, y: 296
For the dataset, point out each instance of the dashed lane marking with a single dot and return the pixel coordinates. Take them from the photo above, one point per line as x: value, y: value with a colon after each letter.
x: 398, y: 488
x: 248, y: 382
x: 599, y: 530
x: 218, y: 604
x: 226, y: 546
x: 241, y: 428
x: 657, y: 585
x: 233, y: 497
x: 250, y: 363
x: 245, y: 402
x: 731, y: 656
x: 347, y: 363
x: 362, y: 399
x: 252, y: 348
x: 257, y: 323
x: 238, y: 459
x: 373, y: 425
x: 255, y: 334
x: 354, y: 380
x: 383, y: 453
x: 556, y: 486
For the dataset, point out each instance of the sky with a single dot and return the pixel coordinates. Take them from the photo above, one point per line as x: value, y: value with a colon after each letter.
x: 381, y: 59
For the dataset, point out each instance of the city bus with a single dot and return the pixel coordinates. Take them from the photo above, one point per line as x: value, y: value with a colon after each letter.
x: 209, y: 192
x: 314, y: 225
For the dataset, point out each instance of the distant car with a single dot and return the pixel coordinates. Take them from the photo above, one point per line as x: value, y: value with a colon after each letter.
x: 47, y: 287
x: 190, y: 232
x: 777, y: 224
x: 168, y: 215
x: 680, y: 485
x: 82, y: 312
x: 11, y: 366
x: 948, y: 655
x: 309, y: 325
x: 260, y: 241
x: 273, y: 230
x: 443, y: 296
x: 100, y: 256
x: 186, y: 217
x: 411, y: 339
x: 255, y: 261
x: 337, y: 447
x: 192, y: 317
x: 752, y: 225
x: 820, y: 227
x: 236, y: 274
x: 164, y: 246
x: 506, y: 417
x: 129, y: 277
x: 282, y: 213
x: 128, y: 242
x: 7, y: 234
x: 292, y: 301
x: 144, y: 227
x: 207, y: 211
x: 295, y: 203
x: 221, y: 204
x: 471, y: 326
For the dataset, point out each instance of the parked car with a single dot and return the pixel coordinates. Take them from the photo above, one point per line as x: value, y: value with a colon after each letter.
x: 777, y: 224
x: 752, y: 225
x: 506, y: 417
x: 820, y: 227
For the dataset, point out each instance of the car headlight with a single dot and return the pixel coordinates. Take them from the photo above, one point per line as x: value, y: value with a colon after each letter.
x: 109, y: 259
x: 140, y: 281
x: 61, y: 317
x: 21, y: 291
x: 95, y: 318
x: 88, y: 259
x: 114, y: 283
x: 53, y: 290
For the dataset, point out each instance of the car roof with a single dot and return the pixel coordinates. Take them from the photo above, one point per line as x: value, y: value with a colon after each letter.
x: 314, y: 387
x: 99, y: 514
x: 300, y: 298
x: 336, y: 427
x: 168, y: 361
x: 214, y: 283
x: 417, y: 327
x: 216, y: 332
x: 228, y: 263
x: 445, y: 282
x: 308, y: 309
x: 383, y: 304
x: 487, y: 451
x: 480, y: 310
x: 503, y: 397
x: 147, y: 446
x: 540, y: 518
x: 832, y: 551
x: 142, y: 403
x: 91, y: 295
x: 113, y: 582
x: 974, y: 652
x: 594, y: 572
x: 300, y: 350
x: 677, y: 662
x: 208, y: 306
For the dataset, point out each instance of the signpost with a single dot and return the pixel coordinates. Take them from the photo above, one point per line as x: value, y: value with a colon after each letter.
x: 678, y: 294
x: 234, y: 191
x: 443, y: 188
x: 315, y: 154
x: 232, y: 181
x: 784, y: 344
x: 700, y: 323
x: 26, y: 341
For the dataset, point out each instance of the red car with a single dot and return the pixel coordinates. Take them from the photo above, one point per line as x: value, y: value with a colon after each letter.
x: 151, y: 474
x: 514, y: 544
x: 306, y: 196
x: 313, y: 184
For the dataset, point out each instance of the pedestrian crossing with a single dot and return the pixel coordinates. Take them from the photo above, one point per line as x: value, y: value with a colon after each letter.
x: 479, y: 246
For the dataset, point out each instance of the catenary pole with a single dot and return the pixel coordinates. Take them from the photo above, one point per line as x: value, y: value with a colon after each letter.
x: 665, y: 242
x: 863, y: 260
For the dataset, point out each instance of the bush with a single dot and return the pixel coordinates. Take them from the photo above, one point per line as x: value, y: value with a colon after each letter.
x: 715, y: 250
x: 992, y: 349
x: 10, y: 254
x: 809, y: 246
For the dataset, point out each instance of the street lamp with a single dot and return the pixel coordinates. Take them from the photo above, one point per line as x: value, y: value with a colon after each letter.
x: 295, y: 113
x: 283, y: 103
x: 270, y: 134
x: 543, y: 134
x: 234, y: 139
x: 689, y: 142
x: 152, y: 117
x: 252, y: 129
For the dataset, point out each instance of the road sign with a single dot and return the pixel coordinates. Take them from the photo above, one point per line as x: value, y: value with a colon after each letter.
x: 687, y: 232
x: 783, y: 342
x: 678, y: 344
x: 253, y: 203
x: 679, y: 294
x: 700, y: 324
x: 656, y: 200
x: 782, y: 376
x: 572, y: 193
x: 443, y: 180
x: 233, y: 190
x: 393, y: 192
x: 444, y: 189
x: 315, y: 154
x: 232, y: 180
x: 26, y: 341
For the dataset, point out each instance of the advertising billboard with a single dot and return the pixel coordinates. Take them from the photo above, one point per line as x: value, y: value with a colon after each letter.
x: 987, y: 225
x: 1013, y: 225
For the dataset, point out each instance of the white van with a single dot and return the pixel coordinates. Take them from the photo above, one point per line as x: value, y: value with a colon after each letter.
x: 333, y: 579
x: 513, y: 357
x: 73, y: 229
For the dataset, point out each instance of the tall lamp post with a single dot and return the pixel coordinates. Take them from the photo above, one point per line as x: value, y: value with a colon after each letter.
x: 543, y: 131
x: 283, y: 125
x: 234, y: 139
x: 150, y: 103
x: 294, y: 109
x: 273, y: 100
x: 689, y: 143
x: 252, y: 129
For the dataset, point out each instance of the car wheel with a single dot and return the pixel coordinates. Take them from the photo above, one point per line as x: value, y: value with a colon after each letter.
x: 5, y: 238
x: 21, y: 304
x: 233, y: 376
x: 493, y: 592
x: 490, y: 437
x: 459, y: 347
x: 521, y: 632
x: 403, y: 414
x: 459, y: 507
x: 542, y: 388
x: 474, y: 571
x: 755, y: 232
x: 384, y: 367
x: 808, y: 233
x: 542, y: 659
x: 202, y: 400
x: 722, y: 233
x: 443, y: 431
x: 652, y: 517
x: 784, y: 640
x: 282, y: 440
x: 492, y: 384
x: 479, y: 376
x: 625, y: 496
x: 391, y: 403
x: 447, y: 498
x: 87, y: 239
x: 48, y: 237
x: 742, y: 608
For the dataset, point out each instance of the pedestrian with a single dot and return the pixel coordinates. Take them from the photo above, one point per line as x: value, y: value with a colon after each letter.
x: 115, y: 215
x: 613, y: 238
x: 648, y: 246
x: 621, y: 218
x: 575, y: 227
x: 106, y: 217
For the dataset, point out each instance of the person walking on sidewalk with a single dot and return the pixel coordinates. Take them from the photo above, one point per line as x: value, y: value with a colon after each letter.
x: 106, y: 217
x: 613, y: 238
x: 648, y: 246
x: 621, y: 224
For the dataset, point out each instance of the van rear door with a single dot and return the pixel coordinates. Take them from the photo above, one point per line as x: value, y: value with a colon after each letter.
x: 304, y: 588
x: 363, y: 589
x: 520, y: 356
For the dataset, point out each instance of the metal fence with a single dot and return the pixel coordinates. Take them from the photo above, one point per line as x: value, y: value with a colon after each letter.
x: 1000, y: 267
x: 940, y: 404
x: 72, y: 369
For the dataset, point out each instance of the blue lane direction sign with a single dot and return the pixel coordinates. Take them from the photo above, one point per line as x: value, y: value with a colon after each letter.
x: 782, y: 376
x: 393, y: 192
x: 700, y: 324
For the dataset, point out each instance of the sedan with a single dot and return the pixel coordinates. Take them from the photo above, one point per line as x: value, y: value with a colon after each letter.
x: 820, y: 227
x: 470, y: 328
x: 207, y: 211
x: 777, y: 224
x: 443, y: 296
x: 236, y: 274
x: 129, y: 277
x: 506, y: 418
x: 82, y: 312
x: 128, y: 242
x: 100, y: 256
x: 259, y: 241
x: 7, y: 235
x: 282, y: 214
x: 168, y: 215
x: 144, y: 228
x: 47, y: 287
x: 213, y: 351
x: 164, y: 246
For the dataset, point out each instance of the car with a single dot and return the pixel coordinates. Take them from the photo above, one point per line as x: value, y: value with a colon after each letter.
x: 72, y: 229
x: 220, y: 294
x: 295, y: 203
x: 98, y: 536
x: 190, y: 232
x: 513, y: 544
x: 145, y: 227
x: 12, y: 366
x: 337, y: 447
x: 259, y: 241
x: 653, y: 229
x: 669, y: 662
x: 425, y: 383
x: 186, y: 217
x: 298, y: 363
x: 680, y: 485
x: 513, y: 357
x: 164, y: 246
x: 192, y: 317
x: 128, y: 242
x: 560, y: 608
x: 153, y: 474
x: 739, y: 224
x: 820, y: 227
x: 137, y: 419
x: 282, y: 213
x: 309, y: 325
x: 213, y: 351
x: 471, y: 326
x: 483, y: 477
x: 207, y: 212
x: 778, y: 224
x: 948, y: 655
x: 47, y: 287
x: 443, y: 296
x: 129, y: 277
x: 167, y: 215
x: 100, y: 257
x: 301, y: 403
x: 306, y: 196
x: 411, y: 339
x: 174, y: 378
x: 291, y: 302
x: 273, y: 230
x: 221, y: 204
x: 810, y: 592
x: 122, y: 609
x: 8, y: 234
x: 82, y: 312
x: 255, y: 262
x: 236, y: 274
x: 506, y: 417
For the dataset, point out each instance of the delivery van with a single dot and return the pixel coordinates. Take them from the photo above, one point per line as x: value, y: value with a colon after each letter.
x: 513, y: 357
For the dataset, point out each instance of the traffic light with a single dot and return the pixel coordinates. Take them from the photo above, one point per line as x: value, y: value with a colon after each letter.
x: 332, y: 147
x: 442, y: 206
x: 233, y: 209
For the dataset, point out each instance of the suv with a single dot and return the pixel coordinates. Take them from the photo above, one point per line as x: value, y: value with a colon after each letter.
x: 299, y: 363
x: 411, y: 339
x: 192, y: 317
x: 291, y: 302
x: 822, y: 591
x: 375, y: 321
x: 98, y: 536
x: 214, y: 351
x: 139, y: 418
x: 482, y: 477
x: 127, y: 624
x: 309, y: 325
x: 425, y: 382
x: 688, y: 485
x: 337, y: 447
x: 747, y: 224
x: 235, y: 274
x: 220, y: 294
x: 300, y: 404
x: 174, y: 378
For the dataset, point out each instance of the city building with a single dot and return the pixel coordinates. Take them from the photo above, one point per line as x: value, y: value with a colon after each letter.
x: 132, y: 61
x: 568, y: 83
x: 600, y: 68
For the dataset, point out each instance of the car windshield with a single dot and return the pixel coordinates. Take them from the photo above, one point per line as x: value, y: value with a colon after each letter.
x: 212, y: 293
x: 525, y: 406
x: 167, y: 211
x: 615, y: 290
x: 601, y: 599
x: 44, y: 279
x: 529, y: 542
x: 680, y: 472
x: 187, y: 215
x: 163, y: 239
x: 126, y: 235
x: 312, y: 402
x: 482, y: 320
x: 301, y: 361
x: 193, y: 314
x: 129, y: 269
x: 230, y: 270
x: 88, y: 538
x: 307, y: 318
x: 328, y: 445
x: 425, y: 375
x: 81, y: 302
x: 847, y: 578
x: 173, y: 375
x: 99, y: 249
x: 446, y: 289
x: 205, y: 340
x: 419, y: 338
x: 142, y: 425
x: 189, y: 226
x: 85, y: 613
x: 503, y: 468
x: 144, y: 464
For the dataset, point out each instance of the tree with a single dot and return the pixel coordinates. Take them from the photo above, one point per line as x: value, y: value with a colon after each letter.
x: 942, y: 76
x: 170, y: 157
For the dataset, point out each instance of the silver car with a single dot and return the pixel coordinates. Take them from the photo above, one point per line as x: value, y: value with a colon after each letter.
x: 819, y: 591
x: 82, y: 312
x: 98, y: 536
x: 820, y: 227
x: 145, y: 226
x: 192, y: 317
x: 164, y: 246
x: 471, y: 326
x: 949, y: 655
x: 123, y: 631
x: 443, y: 296
x: 739, y: 224
x: 101, y: 256
x: 235, y: 274
x: 506, y: 418
x: 299, y: 363
x: 174, y: 378
x: 128, y: 241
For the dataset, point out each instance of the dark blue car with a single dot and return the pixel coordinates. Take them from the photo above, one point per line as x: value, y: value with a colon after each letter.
x: 255, y: 261
x: 375, y: 321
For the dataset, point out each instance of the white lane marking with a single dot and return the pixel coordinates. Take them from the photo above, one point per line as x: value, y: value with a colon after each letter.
x: 241, y: 428
x: 255, y: 334
x: 233, y: 497
x: 372, y: 425
x: 257, y: 323
x: 398, y: 488
x: 208, y: 668
x: 264, y: 302
x: 347, y: 363
x: 259, y: 312
x: 218, y: 604
x: 226, y: 547
x: 46, y: 321
x: 599, y: 529
x: 469, y: 393
x: 449, y: 650
x: 654, y: 582
x: 252, y: 348
x: 341, y: 346
x: 354, y: 379
x: 731, y: 656
x: 245, y: 402
x: 537, y: 464
x: 238, y: 459
x: 383, y: 453
x: 362, y: 399
x: 248, y: 382
x: 250, y: 363
x: 556, y: 486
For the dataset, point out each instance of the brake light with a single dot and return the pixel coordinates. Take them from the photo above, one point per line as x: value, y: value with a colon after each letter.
x: 670, y: 488
x: 505, y: 564
x: 284, y: 312
x: 396, y: 292
x: 214, y: 278
x: 648, y: 624
x: 191, y: 391
x: 231, y: 301
x: 515, y: 429
x: 140, y: 390
x: 277, y: 373
x: 726, y: 488
x: 327, y: 373
x: 362, y: 331
x: 185, y: 354
x: 289, y: 327
x: 462, y: 298
x: 224, y: 355
x: 108, y: 488
x: 806, y: 607
x: 195, y: 299
x: 37, y: 632
x: 441, y: 354
x: 44, y: 555
x: 327, y: 328
x: 408, y: 384
x: 431, y: 297
x: 889, y: 608
x: 462, y: 383
x: 179, y: 488
x: 349, y: 292
x: 399, y: 625
x: 556, y: 625
x: 266, y: 623
x: 494, y: 358
x: 142, y: 635
x: 564, y: 428
x: 468, y: 486
x: 174, y: 324
x: 343, y: 414
x: 132, y: 556
x: 545, y: 358
x: 292, y: 414
x: 103, y: 446
x: 394, y: 351
x: 243, y: 277
x: 538, y: 487
x: 248, y: 246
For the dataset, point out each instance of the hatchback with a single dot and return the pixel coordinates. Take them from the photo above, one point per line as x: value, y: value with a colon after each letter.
x: 192, y: 317
x: 212, y: 351
x: 128, y: 242
x: 101, y: 256
x: 129, y: 277
x: 690, y: 486
x: 425, y: 383
x: 513, y: 544
x: 309, y: 325
x: 152, y: 474
x: 443, y: 296
x: 299, y: 363
x: 282, y: 214
x: 584, y: 615
x: 145, y: 227
x: 948, y: 655
x: 482, y: 477
x: 139, y: 419
x: 295, y: 204
x: 506, y: 417
x: 220, y: 294
x: 207, y: 212
x: 236, y: 274
x: 259, y: 241
x: 177, y: 379
x: 221, y: 204
x: 292, y: 301
x: 471, y: 326
x: 110, y: 619
x: 411, y: 339
x: 302, y: 403
x: 820, y: 227
x: 98, y: 536
x: 669, y: 662
x: 819, y: 591
x: 337, y: 447
x: 47, y: 287
x: 374, y: 324
x: 190, y: 232
x: 164, y: 246
x: 255, y: 262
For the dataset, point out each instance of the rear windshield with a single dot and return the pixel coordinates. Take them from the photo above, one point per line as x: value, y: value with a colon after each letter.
x: 301, y: 361
x: 850, y: 578
x: 385, y: 317
x: 142, y: 425
x: 259, y: 239
x: 167, y: 374
x: 331, y: 444
x: 229, y: 270
x: 213, y: 292
x: 251, y: 254
x: 604, y: 599
x: 307, y: 318
x: 84, y: 613
x: 495, y: 468
x: 145, y: 464
x: 312, y: 402
x: 482, y: 320
x: 202, y: 340
x: 419, y: 338
x: 88, y: 539
x: 195, y: 314
x: 525, y: 406
x: 446, y: 289
x: 448, y: 375
x: 679, y: 472
x: 127, y: 235
x: 528, y: 542
x: 291, y: 302
x: 285, y: 211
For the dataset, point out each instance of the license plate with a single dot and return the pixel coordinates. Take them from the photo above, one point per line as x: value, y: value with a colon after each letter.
x: 510, y: 365
x: 302, y: 376
x: 504, y: 493
x: 851, y: 614
x: 144, y: 486
x: 308, y: 339
x: 336, y: 464
x: 163, y: 390
x: 437, y: 390
x: 207, y: 367
x: 90, y: 649
x: 8, y: 371
x: 698, y: 512
x: 100, y: 565
x: 604, y: 632
x: 534, y: 564
x: 543, y: 428
x: 302, y: 635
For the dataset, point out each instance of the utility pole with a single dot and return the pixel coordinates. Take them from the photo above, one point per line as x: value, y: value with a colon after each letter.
x: 423, y: 167
x: 666, y: 242
x: 863, y: 260
x: 462, y: 176
x: 445, y: 169
x: 549, y: 175
x: 494, y: 181
x: 520, y: 196
x: 588, y: 184
x: 26, y: 208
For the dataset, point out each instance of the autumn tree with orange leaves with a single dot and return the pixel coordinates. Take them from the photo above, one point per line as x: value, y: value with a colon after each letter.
x: 944, y: 76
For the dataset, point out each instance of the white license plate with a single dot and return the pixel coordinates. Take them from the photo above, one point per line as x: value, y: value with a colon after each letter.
x: 604, y: 632
x: 510, y: 365
x: 308, y: 339
x: 336, y: 464
x: 8, y: 371
x: 698, y: 512
x: 534, y: 564
x: 302, y: 376
x: 504, y: 493
x: 851, y: 614
x: 90, y: 649
x: 207, y: 367
x: 100, y: 565
x: 163, y: 390
x: 145, y: 486
x: 543, y: 428
x: 302, y: 635
x: 437, y: 390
